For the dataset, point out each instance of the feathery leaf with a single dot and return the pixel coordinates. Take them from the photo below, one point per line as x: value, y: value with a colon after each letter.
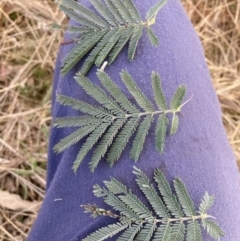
x: 143, y: 225
x: 106, y: 33
x: 117, y: 119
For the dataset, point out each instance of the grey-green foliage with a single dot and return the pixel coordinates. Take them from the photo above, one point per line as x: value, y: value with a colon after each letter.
x: 173, y: 216
x: 106, y: 33
x: 117, y: 119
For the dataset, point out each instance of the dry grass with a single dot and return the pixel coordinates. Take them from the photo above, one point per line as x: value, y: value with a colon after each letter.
x: 28, y: 50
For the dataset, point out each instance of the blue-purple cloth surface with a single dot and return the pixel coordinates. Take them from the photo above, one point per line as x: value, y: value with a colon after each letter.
x: 199, y: 153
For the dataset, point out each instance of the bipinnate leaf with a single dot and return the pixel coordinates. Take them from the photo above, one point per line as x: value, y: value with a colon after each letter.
x: 105, y: 33
x: 108, y: 128
x: 137, y: 223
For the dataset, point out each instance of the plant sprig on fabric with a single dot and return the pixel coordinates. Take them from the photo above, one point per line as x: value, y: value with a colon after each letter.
x: 117, y: 119
x: 174, y: 215
x: 105, y: 35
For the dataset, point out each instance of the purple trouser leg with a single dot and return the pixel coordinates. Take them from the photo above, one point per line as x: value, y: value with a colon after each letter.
x: 198, y: 153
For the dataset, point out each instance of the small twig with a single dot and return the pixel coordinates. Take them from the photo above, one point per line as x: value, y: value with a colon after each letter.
x: 67, y: 42
x: 103, y: 66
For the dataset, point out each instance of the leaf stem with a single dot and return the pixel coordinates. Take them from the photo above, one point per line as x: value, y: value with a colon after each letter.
x: 185, y: 103
x: 151, y: 113
x: 102, y: 212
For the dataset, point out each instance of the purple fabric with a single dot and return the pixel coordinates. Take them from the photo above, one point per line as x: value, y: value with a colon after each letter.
x: 199, y: 153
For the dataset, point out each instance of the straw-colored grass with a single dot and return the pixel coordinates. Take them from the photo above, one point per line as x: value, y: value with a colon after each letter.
x: 28, y: 49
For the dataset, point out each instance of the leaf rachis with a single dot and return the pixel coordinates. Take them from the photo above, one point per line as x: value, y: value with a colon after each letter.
x: 160, y: 225
x: 117, y: 119
x: 105, y: 34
